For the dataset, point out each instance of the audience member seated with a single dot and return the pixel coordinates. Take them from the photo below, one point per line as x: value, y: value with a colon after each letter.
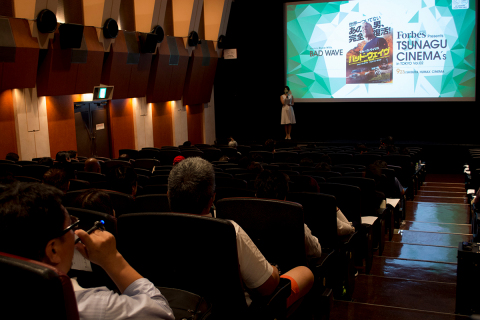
x: 323, y: 167
x: 73, y: 154
x: 385, y: 142
x: 57, y: 178
x: 232, y: 143
x: 361, y: 148
x: 35, y: 225
x: 122, y: 179
x: 191, y: 186
x: 255, y: 167
x: 398, y: 186
x: 177, y: 160
x: 62, y: 156
x: 12, y: 157
x: 96, y: 200
x: 270, y: 145
x: 274, y: 185
x: 344, y: 226
x: 187, y: 144
x: 92, y: 165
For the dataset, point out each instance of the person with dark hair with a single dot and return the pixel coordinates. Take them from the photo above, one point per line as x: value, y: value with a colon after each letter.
x: 122, y: 179
x: 270, y: 145
x: 288, y: 116
x: 57, y: 178
x: 187, y: 144
x: 96, y: 200
x: 323, y: 167
x: 72, y: 154
x: 398, y: 186
x: 12, y: 156
x: 35, y: 225
x: 385, y: 142
x: 92, y: 165
x: 391, y: 149
x: 191, y: 190
x: 274, y: 185
x: 361, y: 148
x: 62, y: 156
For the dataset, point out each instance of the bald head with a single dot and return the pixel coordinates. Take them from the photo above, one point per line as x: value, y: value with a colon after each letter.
x: 92, y: 165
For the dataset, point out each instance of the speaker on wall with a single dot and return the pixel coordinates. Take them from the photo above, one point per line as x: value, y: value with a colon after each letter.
x: 158, y: 30
x: 148, y: 42
x: 110, y: 29
x: 46, y: 21
x: 193, y: 39
x: 71, y: 35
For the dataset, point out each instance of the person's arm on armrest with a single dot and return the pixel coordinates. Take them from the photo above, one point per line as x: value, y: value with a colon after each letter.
x: 269, y: 286
x: 100, y: 248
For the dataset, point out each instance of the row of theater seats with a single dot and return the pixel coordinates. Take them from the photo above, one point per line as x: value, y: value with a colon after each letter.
x: 318, y: 210
x: 472, y: 182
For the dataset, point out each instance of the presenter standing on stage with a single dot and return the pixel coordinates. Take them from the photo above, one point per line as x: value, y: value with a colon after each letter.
x: 288, y: 117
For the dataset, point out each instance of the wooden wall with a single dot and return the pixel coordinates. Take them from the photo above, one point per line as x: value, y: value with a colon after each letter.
x: 8, y: 141
x: 122, y: 135
x: 162, y: 124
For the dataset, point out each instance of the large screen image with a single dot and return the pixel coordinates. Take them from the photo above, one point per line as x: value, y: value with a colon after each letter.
x: 381, y: 49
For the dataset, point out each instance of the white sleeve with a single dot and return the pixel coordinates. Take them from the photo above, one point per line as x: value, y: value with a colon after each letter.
x: 141, y: 300
x: 254, y: 268
x: 344, y: 227
x: 312, y: 246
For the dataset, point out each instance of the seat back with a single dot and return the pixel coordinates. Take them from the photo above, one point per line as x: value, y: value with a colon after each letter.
x: 371, y: 200
x: 166, y: 156
x: 152, y: 203
x: 349, y: 199
x: 132, y: 153
x: 187, y: 252
x: 91, y: 177
x: 225, y: 192
x: 303, y: 183
x: 320, y: 215
x: 32, y: 289
x: 147, y: 164
x: 14, y: 169
x: 276, y: 227
x: 122, y: 203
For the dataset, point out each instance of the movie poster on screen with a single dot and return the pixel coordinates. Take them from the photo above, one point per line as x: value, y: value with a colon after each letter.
x: 370, y: 57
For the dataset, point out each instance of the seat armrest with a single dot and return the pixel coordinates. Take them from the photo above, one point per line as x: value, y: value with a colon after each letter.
x: 273, y: 306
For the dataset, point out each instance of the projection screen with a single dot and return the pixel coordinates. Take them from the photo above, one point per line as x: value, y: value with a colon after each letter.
x: 377, y: 50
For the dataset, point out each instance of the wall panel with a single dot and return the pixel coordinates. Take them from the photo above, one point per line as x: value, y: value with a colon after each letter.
x: 195, y: 123
x: 61, y: 123
x: 23, y: 72
x: 8, y: 141
x: 162, y: 119
x: 122, y: 134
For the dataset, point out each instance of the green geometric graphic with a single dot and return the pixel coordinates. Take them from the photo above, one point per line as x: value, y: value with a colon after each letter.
x: 313, y: 27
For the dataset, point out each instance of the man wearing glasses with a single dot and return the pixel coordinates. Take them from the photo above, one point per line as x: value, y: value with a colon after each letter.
x: 35, y: 225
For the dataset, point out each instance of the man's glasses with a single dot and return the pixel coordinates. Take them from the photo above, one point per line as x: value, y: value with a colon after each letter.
x: 74, y: 226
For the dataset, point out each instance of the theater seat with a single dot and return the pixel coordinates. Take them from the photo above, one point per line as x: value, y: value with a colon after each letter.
x: 196, y: 254
x: 35, y: 290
